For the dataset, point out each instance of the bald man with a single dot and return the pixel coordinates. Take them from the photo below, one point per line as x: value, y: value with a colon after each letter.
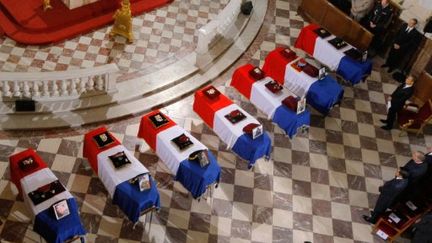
x: 397, y: 101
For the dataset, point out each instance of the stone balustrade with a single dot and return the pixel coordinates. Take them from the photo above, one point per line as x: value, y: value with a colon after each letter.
x: 58, y: 85
x: 218, y: 27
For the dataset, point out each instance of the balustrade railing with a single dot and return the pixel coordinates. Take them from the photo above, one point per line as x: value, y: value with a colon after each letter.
x: 219, y: 26
x: 58, y: 85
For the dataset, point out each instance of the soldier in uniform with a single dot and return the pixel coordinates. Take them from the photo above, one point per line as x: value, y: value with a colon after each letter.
x: 376, y: 21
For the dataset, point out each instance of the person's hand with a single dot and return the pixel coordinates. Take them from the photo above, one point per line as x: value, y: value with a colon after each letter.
x: 372, y: 25
x: 396, y: 46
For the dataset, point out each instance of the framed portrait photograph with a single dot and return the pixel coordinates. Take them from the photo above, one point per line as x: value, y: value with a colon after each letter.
x: 322, y: 73
x: 144, y: 182
x: 257, y: 131
x: 61, y: 209
x: 364, y: 56
x: 301, y: 105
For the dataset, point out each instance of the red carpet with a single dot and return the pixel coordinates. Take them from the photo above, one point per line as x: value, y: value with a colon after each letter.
x: 26, y: 22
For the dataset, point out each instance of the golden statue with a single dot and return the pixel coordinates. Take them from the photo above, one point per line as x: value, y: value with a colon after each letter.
x: 46, y: 4
x: 123, y: 22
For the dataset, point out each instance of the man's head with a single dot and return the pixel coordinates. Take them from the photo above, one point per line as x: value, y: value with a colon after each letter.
x: 402, y: 173
x: 384, y: 3
x: 409, y: 80
x: 418, y: 156
x: 412, y: 22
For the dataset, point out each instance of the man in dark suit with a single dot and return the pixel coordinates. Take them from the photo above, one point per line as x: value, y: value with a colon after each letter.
x: 376, y: 21
x: 404, y: 44
x: 416, y: 167
x: 343, y: 5
x: 427, y: 178
x: 389, y: 192
x: 397, y: 101
x: 423, y: 230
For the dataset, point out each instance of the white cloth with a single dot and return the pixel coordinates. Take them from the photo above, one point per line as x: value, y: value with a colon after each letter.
x: 110, y: 176
x: 168, y: 151
x: 327, y: 54
x: 38, y: 179
x: 265, y: 100
x: 228, y: 132
x: 297, y: 82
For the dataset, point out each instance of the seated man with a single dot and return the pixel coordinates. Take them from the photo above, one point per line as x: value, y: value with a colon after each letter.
x: 417, y: 170
x: 389, y: 192
x: 416, y: 167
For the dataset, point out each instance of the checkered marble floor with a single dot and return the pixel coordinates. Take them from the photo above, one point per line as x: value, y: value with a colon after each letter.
x: 315, y: 187
x: 161, y: 37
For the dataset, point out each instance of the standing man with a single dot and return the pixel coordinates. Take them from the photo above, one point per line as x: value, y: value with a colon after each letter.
x: 376, y: 21
x: 389, y: 192
x: 359, y: 8
x: 403, y: 44
x: 397, y: 101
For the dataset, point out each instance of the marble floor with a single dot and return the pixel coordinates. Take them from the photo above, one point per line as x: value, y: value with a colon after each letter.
x: 315, y: 188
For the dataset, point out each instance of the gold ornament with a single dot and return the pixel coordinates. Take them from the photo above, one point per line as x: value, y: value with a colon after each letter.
x: 46, y: 5
x: 123, y: 22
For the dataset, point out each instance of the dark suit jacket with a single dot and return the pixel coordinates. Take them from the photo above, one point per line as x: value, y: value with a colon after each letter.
x: 416, y: 171
x: 423, y: 230
x: 428, y: 161
x: 399, y: 96
x: 389, y: 192
x: 406, y: 40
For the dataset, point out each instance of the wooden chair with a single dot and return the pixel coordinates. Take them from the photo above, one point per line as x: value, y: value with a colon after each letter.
x: 411, y: 121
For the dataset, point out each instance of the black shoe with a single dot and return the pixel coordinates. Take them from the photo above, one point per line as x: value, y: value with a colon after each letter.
x: 368, y: 219
x: 384, y: 65
x: 384, y: 121
x: 386, y: 128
